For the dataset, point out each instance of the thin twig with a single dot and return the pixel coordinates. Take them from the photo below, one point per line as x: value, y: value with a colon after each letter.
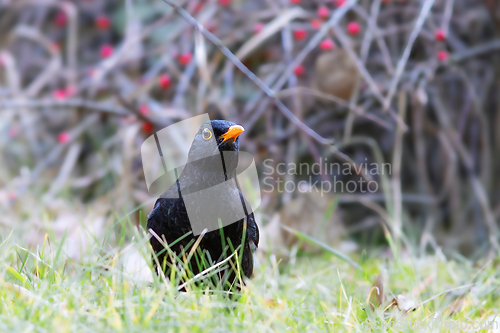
x: 67, y: 103
x: 448, y: 12
x: 476, y: 51
x: 396, y: 169
x: 346, y: 44
x: 426, y: 8
x: 144, y: 117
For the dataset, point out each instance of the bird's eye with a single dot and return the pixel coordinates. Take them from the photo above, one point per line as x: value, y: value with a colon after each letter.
x: 207, y: 134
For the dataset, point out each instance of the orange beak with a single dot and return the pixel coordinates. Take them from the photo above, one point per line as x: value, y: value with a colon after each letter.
x: 232, y: 132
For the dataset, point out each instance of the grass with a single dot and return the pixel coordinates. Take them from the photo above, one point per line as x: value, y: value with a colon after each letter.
x: 43, y: 290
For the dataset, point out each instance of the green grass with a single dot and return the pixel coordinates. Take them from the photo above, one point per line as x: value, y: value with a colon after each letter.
x: 43, y: 290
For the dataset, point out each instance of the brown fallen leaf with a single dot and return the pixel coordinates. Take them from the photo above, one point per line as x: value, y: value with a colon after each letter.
x: 335, y: 73
x: 376, y: 295
x: 457, y: 305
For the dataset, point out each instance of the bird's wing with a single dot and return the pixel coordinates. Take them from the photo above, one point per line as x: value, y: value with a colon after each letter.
x: 169, y: 218
x: 155, y: 214
x: 252, y: 230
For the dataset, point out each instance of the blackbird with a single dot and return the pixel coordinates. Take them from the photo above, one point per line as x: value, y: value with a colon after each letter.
x: 203, y: 217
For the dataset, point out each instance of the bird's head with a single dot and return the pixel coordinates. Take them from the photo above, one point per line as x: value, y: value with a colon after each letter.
x: 215, y: 136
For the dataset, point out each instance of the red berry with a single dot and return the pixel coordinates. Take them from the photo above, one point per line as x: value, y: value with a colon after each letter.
x: 147, y: 127
x: 60, y: 94
x: 61, y: 19
x: 184, y: 58
x: 63, y: 137
x: 299, y: 70
x: 323, y: 13
x: 224, y: 3
x: 353, y: 28
x: 443, y: 55
x: 295, y: 2
x: 102, y: 22
x: 316, y: 24
x: 327, y: 44
x: 440, y: 35
x: 143, y: 109
x: 299, y: 34
x: 198, y: 7
x: 258, y: 27
x: 55, y: 47
x: 165, y: 81
x: 339, y: 3
x: 107, y: 51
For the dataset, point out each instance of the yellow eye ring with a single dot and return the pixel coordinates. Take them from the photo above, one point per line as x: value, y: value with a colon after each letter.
x: 207, y: 134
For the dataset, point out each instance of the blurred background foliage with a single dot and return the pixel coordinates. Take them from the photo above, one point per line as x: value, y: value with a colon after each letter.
x: 413, y: 83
